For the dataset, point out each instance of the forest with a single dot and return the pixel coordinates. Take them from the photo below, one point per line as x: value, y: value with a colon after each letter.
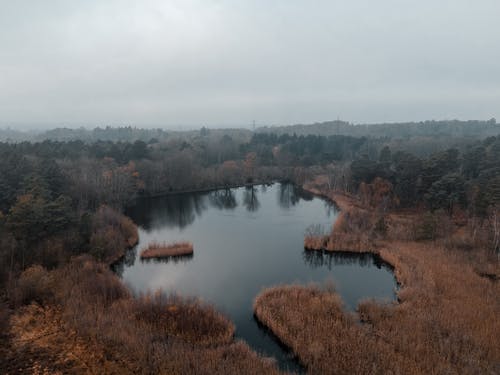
x: 63, y: 196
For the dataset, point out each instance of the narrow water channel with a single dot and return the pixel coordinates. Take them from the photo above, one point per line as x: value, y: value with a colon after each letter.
x: 246, y: 239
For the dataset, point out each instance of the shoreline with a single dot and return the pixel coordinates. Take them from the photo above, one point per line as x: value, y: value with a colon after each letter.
x: 114, y: 259
x: 344, y: 202
x: 427, y: 274
x: 205, y: 190
x: 132, y: 242
x: 440, y: 296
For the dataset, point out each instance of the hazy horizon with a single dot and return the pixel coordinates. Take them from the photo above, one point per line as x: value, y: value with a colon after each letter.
x: 188, y: 127
x: 187, y: 64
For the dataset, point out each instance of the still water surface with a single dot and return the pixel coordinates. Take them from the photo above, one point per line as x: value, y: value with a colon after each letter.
x: 246, y: 239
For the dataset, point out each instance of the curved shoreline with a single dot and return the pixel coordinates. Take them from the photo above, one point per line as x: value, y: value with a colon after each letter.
x: 344, y: 204
x: 440, y: 298
x: 297, y: 241
x: 206, y: 189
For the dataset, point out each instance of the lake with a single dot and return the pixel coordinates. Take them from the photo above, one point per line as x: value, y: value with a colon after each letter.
x: 246, y: 239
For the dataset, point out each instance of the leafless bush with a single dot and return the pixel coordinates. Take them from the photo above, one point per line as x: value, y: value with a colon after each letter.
x: 112, y: 233
x: 158, y: 333
x: 32, y: 285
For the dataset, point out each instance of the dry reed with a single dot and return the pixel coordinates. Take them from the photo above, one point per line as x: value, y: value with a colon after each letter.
x: 165, y: 250
x: 446, y: 321
x: 92, y: 324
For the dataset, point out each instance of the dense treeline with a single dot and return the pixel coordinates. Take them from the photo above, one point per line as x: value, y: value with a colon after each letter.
x: 63, y: 198
x: 427, y: 129
x: 54, y: 189
x: 115, y: 134
x: 44, y: 219
x: 445, y: 180
x: 60, y: 199
x: 451, y: 128
x: 51, y: 191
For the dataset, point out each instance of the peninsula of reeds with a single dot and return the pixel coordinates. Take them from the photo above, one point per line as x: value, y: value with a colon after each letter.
x: 165, y: 250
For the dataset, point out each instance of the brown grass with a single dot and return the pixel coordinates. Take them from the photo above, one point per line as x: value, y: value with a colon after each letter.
x: 446, y: 320
x: 90, y: 323
x: 164, y: 250
x: 183, y: 319
x: 112, y: 234
x: 352, y: 231
x: 327, y: 340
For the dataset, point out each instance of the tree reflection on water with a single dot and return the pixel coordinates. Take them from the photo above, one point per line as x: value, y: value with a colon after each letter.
x: 171, y: 259
x: 329, y: 259
x: 250, y: 200
x: 223, y: 199
x: 181, y: 210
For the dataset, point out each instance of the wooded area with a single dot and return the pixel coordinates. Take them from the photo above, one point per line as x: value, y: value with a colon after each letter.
x: 60, y: 199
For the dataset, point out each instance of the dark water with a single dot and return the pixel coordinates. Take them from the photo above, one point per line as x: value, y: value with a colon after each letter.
x: 244, y: 240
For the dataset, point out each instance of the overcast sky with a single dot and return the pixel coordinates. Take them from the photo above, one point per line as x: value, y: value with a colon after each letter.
x: 229, y: 62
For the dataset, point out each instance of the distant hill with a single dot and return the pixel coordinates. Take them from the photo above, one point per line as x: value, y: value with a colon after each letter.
x: 119, y: 134
x: 452, y: 128
x: 115, y: 134
x: 12, y: 135
x: 473, y: 129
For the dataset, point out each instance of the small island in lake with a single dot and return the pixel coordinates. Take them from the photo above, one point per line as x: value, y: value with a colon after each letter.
x: 164, y: 250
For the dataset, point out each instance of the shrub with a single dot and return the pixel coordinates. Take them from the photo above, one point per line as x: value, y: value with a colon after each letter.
x: 32, y: 285
x: 112, y: 233
x: 426, y: 227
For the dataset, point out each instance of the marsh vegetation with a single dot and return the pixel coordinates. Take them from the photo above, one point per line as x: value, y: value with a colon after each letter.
x: 424, y: 199
x: 166, y: 250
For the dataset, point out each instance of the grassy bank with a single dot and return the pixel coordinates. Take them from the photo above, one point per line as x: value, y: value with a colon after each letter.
x: 445, y: 321
x: 80, y: 318
x: 83, y: 320
x: 352, y: 230
x: 165, y: 250
x: 327, y: 340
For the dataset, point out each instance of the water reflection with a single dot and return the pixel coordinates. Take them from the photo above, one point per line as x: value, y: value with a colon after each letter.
x: 127, y: 261
x: 181, y: 210
x: 171, y: 259
x: 331, y: 208
x: 328, y: 259
x: 223, y: 199
x: 238, y: 254
x: 288, y: 196
x: 297, y: 367
x: 250, y: 200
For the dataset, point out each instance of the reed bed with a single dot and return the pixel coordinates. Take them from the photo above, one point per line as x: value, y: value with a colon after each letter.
x: 89, y: 322
x: 166, y: 250
x: 327, y: 340
x: 445, y: 321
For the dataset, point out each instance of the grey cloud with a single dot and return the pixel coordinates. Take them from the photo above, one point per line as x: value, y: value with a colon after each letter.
x: 229, y: 62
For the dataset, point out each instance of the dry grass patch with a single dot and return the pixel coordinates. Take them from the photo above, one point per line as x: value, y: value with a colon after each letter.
x: 185, y: 319
x: 165, y: 250
x: 447, y: 318
x: 326, y: 339
x: 42, y: 343
x: 90, y: 323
